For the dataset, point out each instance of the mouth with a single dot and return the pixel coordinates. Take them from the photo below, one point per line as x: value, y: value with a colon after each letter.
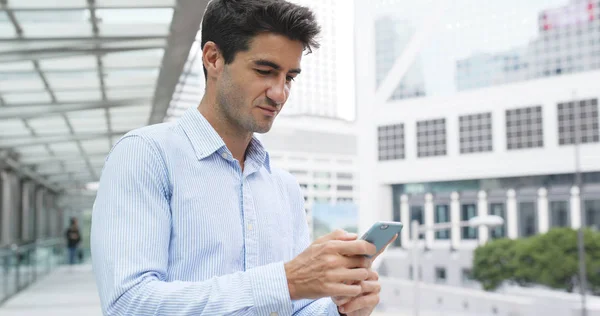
x: 268, y: 111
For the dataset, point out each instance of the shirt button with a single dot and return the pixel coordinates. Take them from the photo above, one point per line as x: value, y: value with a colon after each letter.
x: 249, y: 226
x: 224, y: 155
x: 274, y: 314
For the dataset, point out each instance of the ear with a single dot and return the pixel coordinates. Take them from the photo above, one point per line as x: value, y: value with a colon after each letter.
x: 212, y: 59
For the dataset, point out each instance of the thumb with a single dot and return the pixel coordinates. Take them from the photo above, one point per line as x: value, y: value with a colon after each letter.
x: 338, y: 234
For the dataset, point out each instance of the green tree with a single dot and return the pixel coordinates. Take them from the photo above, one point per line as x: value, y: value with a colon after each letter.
x: 549, y: 259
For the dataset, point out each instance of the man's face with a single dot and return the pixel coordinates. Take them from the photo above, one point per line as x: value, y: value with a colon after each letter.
x: 252, y: 90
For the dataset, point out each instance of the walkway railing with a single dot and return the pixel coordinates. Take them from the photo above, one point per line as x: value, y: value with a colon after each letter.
x: 22, y: 265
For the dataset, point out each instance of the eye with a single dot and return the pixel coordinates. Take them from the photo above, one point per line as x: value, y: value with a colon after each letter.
x: 263, y: 72
x: 289, y: 78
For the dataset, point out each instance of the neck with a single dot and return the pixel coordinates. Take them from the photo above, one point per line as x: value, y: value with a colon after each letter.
x: 235, y: 138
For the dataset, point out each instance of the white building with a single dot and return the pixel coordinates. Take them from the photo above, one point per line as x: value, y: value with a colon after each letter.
x: 321, y: 153
x: 506, y: 150
x: 568, y: 42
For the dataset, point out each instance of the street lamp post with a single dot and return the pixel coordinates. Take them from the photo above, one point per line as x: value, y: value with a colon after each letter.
x: 489, y: 220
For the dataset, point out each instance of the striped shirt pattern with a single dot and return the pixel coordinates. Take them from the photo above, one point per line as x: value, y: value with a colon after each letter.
x: 179, y: 229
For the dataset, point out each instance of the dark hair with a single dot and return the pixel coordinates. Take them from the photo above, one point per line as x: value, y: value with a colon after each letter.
x: 231, y: 24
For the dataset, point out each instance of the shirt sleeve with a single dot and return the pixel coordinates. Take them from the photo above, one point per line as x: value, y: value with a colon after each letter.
x: 131, y: 227
x: 323, y: 306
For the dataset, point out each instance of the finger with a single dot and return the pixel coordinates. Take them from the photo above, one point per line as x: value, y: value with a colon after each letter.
x: 360, y: 302
x: 370, y: 286
x: 341, y: 290
x: 373, y: 276
x: 341, y: 300
x: 383, y: 249
x: 356, y: 262
x: 338, y: 234
x: 347, y: 275
x: 355, y: 248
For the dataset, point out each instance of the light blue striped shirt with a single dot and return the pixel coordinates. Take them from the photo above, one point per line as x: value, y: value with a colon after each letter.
x: 179, y: 229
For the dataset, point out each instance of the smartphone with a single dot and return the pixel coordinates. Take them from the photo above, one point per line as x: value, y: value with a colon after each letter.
x: 381, y: 233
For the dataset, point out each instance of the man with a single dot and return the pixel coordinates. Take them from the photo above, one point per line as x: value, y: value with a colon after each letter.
x: 73, y: 239
x: 191, y: 218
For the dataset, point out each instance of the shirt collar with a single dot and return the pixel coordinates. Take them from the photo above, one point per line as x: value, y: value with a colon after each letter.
x: 206, y: 141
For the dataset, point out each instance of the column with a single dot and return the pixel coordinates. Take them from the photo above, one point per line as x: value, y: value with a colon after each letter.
x: 482, y: 211
x: 429, y: 220
x: 41, y: 215
x: 543, y: 215
x: 455, y: 220
x: 5, y: 208
x: 511, y: 214
x: 575, y: 204
x: 385, y: 208
x: 405, y: 219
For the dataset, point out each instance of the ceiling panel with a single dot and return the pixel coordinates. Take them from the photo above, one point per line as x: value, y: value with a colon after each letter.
x: 29, y: 84
x: 96, y: 146
x: 98, y: 160
x: 33, y: 4
x: 70, y: 63
x: 126, y: 112
x: 49, y: 125
x: 89, y: 95
x: 132, y: 59
x: 17, y: 66
x: 138, y: 3
x: 149, y: 29
x: 33, y: 150
x: 62, y: 81
x: 13, y: 127
x: 132, y: 123
x: 92, y: 124
x: 50, y: 169
x: 130, y: 93
x: 33, y: 97
x: 116, y: 82
x: 135, y: 16
x: 137, y: 43
x: 64, y: 148
x: 59, y: 30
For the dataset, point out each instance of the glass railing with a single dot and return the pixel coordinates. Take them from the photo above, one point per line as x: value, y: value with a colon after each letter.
x: 22, y: 265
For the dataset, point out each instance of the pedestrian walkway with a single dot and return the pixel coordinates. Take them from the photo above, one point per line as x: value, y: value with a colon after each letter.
x: 65, y: 292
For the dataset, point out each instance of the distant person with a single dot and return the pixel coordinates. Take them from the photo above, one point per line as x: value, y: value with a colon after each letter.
x: 191, y: 218
x: 73, y: 239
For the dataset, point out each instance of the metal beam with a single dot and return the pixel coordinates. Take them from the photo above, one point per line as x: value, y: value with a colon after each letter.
x: 15, y: 7
x: 82, y: 38
x: 21, y: 55
x: 9, y: 113
x: 184, y: 27
x: 26, y: 172
x: 41, y: 140
x: 113, y: 102
x: 42, y: 160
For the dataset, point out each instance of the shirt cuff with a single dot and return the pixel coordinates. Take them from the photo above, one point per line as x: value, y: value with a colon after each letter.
x: 332, y: 309
x: 270, y: 289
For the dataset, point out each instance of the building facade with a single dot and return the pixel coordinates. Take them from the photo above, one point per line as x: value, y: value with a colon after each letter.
x: 321, y: 153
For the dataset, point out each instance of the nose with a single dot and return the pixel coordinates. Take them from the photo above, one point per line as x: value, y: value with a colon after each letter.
x: 278, y: 91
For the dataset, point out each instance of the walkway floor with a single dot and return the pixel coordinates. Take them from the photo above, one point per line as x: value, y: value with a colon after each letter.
x: 64, y: 292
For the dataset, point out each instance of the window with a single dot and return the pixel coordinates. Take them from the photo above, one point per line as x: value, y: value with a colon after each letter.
x: 344, y: 188
x: 440, y: 275
x: 467, y: 276
x: 527, y: 219
x: 498, y: 210
x: 322, y: 187
x: 322, y: 175
x: 442, y: 215
x: 391, y: 142
x: 475, y: 133
x: 416, y: 214
x: 559, y: 214
x: 524, y: 128
x: 587, y: 122
x: 468, y: 211
x: 592, y: 214
x: 299, y: 172
x: 345, y: 176
x: 431, y: 138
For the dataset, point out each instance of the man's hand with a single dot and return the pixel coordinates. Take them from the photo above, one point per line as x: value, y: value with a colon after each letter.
x: 363, y: 304
x: 333, y: 265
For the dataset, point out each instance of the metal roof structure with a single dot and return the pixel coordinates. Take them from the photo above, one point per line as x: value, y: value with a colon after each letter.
x: 75, y: 75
